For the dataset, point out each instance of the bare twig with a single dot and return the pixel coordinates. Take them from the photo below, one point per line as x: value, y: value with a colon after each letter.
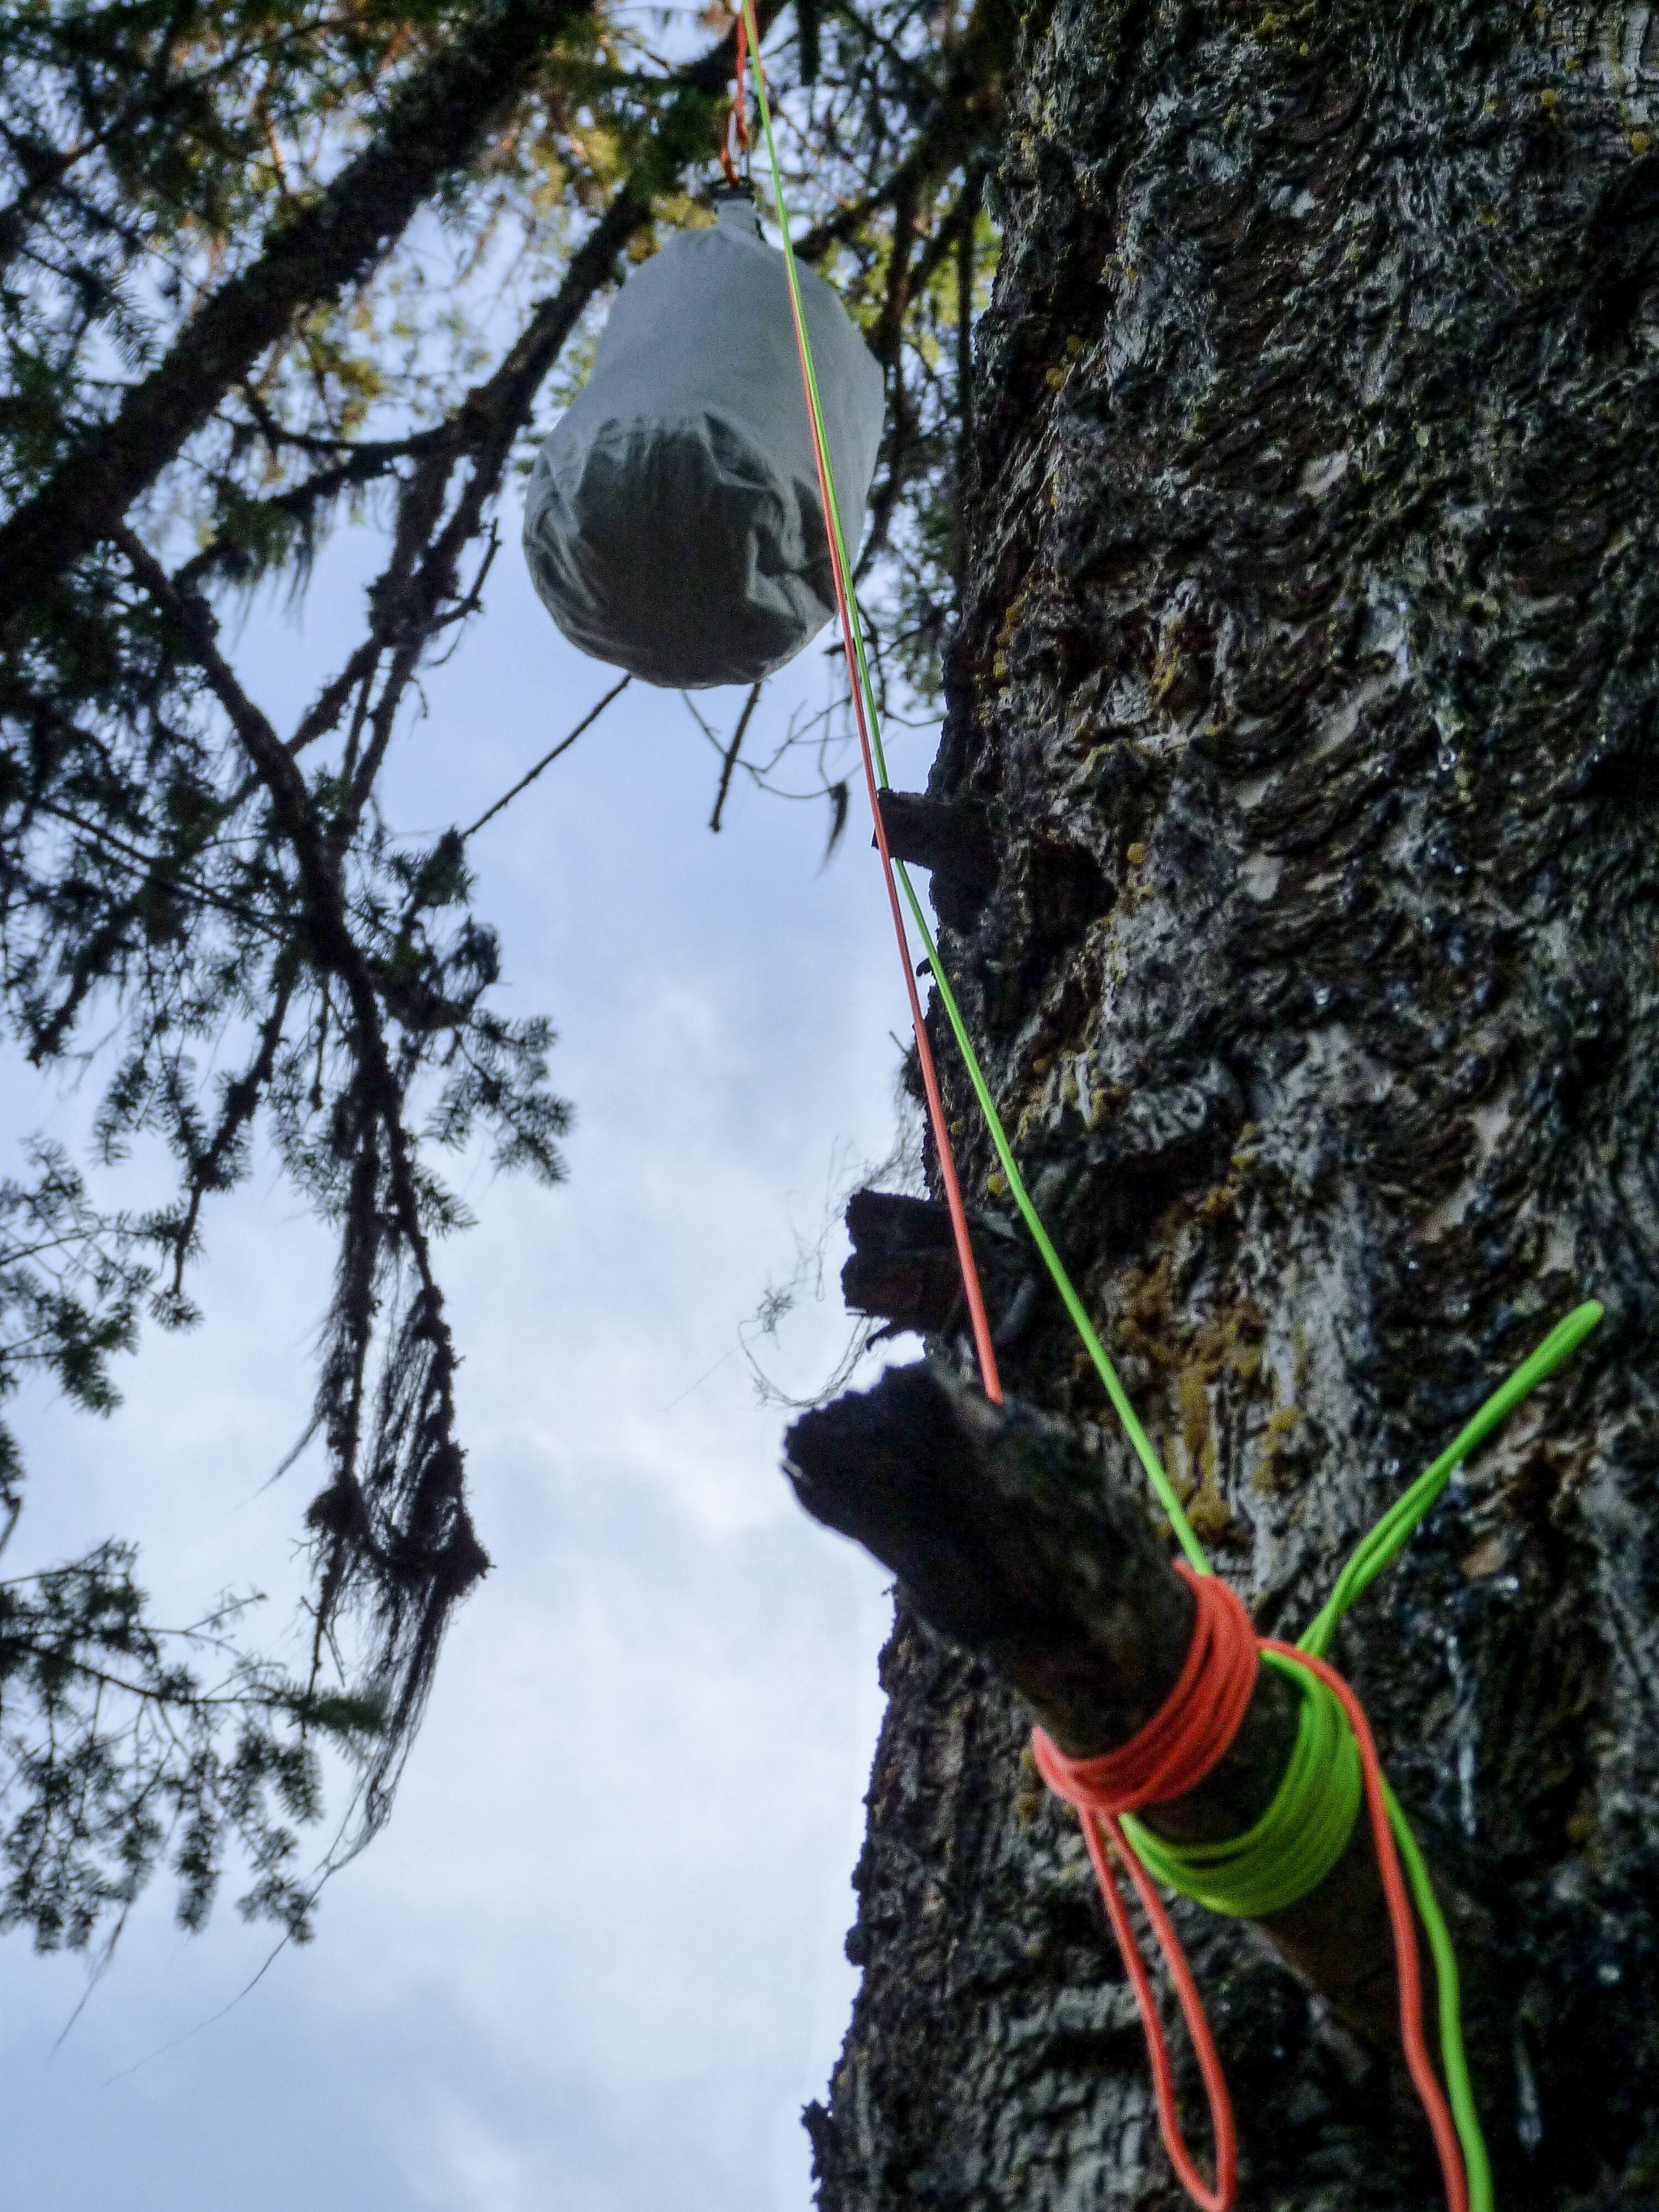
x: 732, y: 753
x: 548, y: 759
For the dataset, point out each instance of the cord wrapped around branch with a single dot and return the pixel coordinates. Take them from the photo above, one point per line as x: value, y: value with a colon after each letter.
x: 1011, y: 1536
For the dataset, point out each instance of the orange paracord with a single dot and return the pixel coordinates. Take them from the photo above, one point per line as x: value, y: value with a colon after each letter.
x: 1182, y: 1743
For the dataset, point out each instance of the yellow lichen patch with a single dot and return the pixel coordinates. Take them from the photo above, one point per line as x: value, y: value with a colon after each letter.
x: 1231, y: 1343
x: 1011, y: 619
x: 1197, y: 1429
x: 1031, y: 1794
x: 1239, y: 1335
x: 1211, y: 1516
x: 1582, y: 1821
x: 1206, y: 1509
x: 1148, y: 1325
x: 1167, y: 666
x: 1103, y: 1103
x: 1220, y: 1200
x: 1201, y: 1358
x: 1270, y: 1477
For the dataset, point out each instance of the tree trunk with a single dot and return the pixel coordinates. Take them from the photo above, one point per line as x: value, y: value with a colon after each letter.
x: 1307, y: 673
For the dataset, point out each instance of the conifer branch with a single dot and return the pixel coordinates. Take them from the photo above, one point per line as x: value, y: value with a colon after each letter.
x: 435, y: 123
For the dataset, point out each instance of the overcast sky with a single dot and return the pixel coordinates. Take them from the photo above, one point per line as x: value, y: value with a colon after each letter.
x: 595, y: 1964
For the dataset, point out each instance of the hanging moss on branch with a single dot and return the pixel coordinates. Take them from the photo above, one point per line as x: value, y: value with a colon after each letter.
x: 265, y: 271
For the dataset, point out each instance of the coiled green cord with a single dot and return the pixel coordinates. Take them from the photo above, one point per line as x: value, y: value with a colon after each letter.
x: 1306, y: 1828
x: 1292, y: 1848
x: 1296, y: 1841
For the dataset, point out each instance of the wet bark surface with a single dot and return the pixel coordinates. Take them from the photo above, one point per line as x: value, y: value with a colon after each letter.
x: 1308, y: 674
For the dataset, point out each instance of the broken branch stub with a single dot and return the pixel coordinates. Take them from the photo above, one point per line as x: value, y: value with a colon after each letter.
x: 954, y: 839
x: 1012, y: 1538
x: 1009, y: 1538
x: 903, y: 1269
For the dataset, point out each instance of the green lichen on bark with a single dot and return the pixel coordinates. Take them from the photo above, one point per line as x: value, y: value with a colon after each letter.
x: 1308, y: 660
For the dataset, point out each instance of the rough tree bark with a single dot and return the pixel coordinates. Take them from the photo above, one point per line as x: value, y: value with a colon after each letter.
x: 1308, y: 675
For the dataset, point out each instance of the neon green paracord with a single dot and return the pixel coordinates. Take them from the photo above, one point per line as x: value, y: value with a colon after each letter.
x: 1296, y: 1841
x: 1301, y: 1834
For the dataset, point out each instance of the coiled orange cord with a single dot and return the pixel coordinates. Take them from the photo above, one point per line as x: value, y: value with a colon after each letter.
x: 1182, y: 1742
x: 1190, y: 1731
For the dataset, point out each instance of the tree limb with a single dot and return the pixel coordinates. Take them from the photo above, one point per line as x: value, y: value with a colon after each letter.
x: 434, y: 126
x: 1007, y: 1538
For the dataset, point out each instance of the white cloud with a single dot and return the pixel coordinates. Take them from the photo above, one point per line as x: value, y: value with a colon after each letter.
x: 595, y: 1961
x: 466, y: 2165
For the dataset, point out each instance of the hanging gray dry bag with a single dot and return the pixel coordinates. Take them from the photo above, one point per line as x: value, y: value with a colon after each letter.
x: 673, y: 525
